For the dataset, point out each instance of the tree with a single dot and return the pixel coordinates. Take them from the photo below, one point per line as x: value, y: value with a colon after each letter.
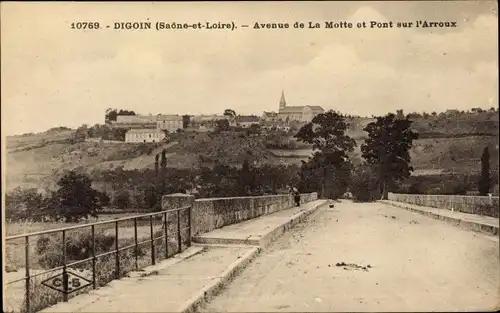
x: 122, y: 200
x: 229, y: 112
x: 111, y: 115
x: 186, y: 120
x: 363, y: 184
x: 387, y: 149
x: 484, y: 183
x: 247, y: 179
x: 327, y: 134
x: 157, y: 157
x: 24, y: 204
x: 222, y: 125
x: 75, y: 197
x: 103, y: 199
x: 81, y: 133
x: 163, y: 159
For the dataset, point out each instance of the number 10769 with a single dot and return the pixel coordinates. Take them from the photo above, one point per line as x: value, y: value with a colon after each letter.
x: 85, y: 25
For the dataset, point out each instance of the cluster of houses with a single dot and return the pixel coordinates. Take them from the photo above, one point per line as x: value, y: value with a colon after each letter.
x: 153, y: 128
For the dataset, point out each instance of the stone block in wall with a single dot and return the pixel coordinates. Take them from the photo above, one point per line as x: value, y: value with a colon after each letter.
x: 175, y: 201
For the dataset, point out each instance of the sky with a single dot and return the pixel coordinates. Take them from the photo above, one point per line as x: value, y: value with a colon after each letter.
x: 56, y: 76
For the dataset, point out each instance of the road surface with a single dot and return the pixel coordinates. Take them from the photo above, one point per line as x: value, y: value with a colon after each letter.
x: 395, y: 260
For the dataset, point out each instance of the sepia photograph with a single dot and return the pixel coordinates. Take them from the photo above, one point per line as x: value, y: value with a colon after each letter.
x: 267, y: 156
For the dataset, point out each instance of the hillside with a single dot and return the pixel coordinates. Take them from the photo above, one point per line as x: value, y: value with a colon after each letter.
x: 36, y: 160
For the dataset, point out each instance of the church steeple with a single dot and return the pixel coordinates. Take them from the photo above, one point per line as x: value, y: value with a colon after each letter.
x: 282, y: 100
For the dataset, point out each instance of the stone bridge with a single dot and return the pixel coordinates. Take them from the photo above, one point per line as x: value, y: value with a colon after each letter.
x: 265, y: 254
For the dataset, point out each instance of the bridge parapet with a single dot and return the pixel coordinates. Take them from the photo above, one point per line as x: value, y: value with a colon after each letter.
x: 488, y: 206
x: 212, y: 213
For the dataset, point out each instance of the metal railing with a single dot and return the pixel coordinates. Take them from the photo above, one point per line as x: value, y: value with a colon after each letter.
x: 63, y: 284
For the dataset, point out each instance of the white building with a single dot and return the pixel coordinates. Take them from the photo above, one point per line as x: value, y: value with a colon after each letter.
x: 144, y: 135
x: 171, y: 123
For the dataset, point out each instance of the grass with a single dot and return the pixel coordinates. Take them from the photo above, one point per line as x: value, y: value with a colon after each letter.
x: 42, y: 297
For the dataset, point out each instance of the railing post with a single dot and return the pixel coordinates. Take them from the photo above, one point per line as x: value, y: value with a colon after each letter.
x: 179, y: 237
x: 94, y: 285
x: 27, y: 269
x: 117, y: 254
x: 166, y: 234
x: 136, y: 245
x: 153, y: 256
x: 65, y: 273
x: 189, y: 225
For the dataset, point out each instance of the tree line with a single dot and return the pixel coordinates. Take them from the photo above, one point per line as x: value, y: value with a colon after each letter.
x: 385, y: 163
x: 385, y: 153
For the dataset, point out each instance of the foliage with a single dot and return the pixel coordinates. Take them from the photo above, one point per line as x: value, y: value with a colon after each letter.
x: 78, y: 247
x: 484, y: 183
x: 387, y: 147
x: 186, y: 120
x: 254, y: 129
x: 327, y: 134
x: 229, y: 112
x: 246, y: 179
x: 271, y: 179
x: 222, y: 125
x: 122, y: 200
x: 363, y: 184
x: 75, y: 197
x: 309, y: 173
x: 24, y: 204
x: 163, y: 162
x: 105, y: 132
x: 112, y: 114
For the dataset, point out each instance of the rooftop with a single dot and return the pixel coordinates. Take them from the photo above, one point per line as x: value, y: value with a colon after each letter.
x: 144, y: 131
x: 170, y: 117
x: 299, y: 109
x: 249, y: 118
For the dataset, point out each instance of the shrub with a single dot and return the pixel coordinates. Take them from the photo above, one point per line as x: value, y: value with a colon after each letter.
x: 78, y: 247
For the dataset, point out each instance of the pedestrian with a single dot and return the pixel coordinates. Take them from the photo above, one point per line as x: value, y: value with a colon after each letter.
x: 296, y: 196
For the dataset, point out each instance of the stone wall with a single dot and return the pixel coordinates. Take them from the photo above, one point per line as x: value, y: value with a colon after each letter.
x: 212, y: 213
x: 466, y: 204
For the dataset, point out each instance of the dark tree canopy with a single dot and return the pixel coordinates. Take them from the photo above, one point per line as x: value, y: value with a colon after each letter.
x: 112, y: 114
x: 327, y: 134
x: 222, y: 125
x: 484, y: 183
x: 229, y: 112
x: 76, y: 198
x: 186, y: 120
x: 387, y: 149
x: 163, y: 159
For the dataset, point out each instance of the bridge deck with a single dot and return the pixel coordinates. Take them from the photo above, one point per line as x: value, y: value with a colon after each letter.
x: 175, y: 285
x: 258, y: 231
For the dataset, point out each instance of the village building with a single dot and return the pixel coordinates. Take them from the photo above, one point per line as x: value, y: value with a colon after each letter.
x: 170, y: 123
x: 297, y: 113
x: 144, y: 135
x: 135, y: 121
x: 246, y: 121
x: 269, y: 116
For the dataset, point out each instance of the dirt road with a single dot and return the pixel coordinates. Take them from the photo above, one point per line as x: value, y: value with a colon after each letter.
x: 394, y: 260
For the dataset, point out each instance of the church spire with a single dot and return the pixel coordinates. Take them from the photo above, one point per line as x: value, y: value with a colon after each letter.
x: 282, y: 100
